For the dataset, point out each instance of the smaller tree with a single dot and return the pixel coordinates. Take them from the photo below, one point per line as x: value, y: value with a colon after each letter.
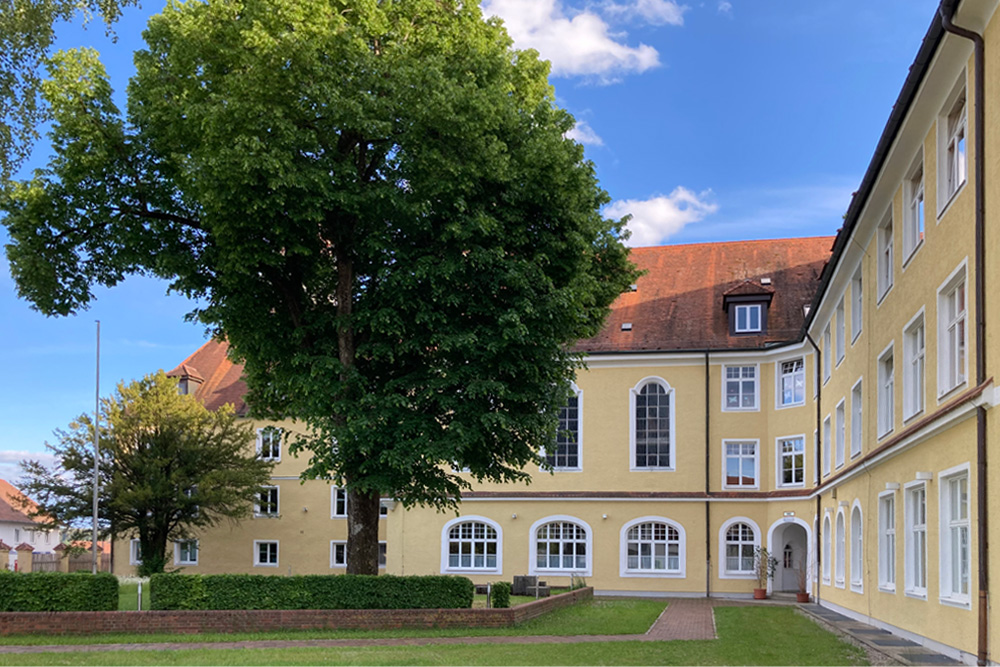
x: 167, y: 467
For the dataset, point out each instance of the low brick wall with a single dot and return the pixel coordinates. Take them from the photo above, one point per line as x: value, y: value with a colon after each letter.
x: 196, y: 622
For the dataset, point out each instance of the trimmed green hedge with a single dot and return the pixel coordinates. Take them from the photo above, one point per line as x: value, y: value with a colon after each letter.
x: 344, y: 591
x: 58, y: 591
x: 501, y: 594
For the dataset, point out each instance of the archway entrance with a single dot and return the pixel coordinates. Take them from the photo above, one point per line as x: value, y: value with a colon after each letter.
x: 791, y: 548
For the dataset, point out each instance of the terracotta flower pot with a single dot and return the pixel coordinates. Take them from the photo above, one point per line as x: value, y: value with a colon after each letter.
x: 802, y: 597
x: 760, y: 594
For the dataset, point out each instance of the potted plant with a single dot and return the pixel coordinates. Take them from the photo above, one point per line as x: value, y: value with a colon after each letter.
x: 764, y: 566
x: 803, y: 593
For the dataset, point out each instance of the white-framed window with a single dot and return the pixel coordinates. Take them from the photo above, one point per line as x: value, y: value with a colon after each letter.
x: 740, y: 464
x: 841, y: 331
x: 266, y: 503
x: 338, y: 553
x: 827, y: 352
x: 913, y: 366
x: 857, y: 420
x: 564, y: 453
x: 827, y: 436
x: 841, y: 541
x: 886, y: 266
x: 913, y: 213
x: 652, y: 546
x: 740, y: 388
x: 747, y: 318
x: 841, y: 416
x: 134, y: 552
x: 472, y: 544
x: 857, y: 549
x: 186, y: 552
x: 338, y: 503
x: 827, y: 548
x: 382, y: 549
x: 857, y: 304
x: 561, y: 545
x: 886, y: 392
x: 791, y: 382
x: 915, y: 544
x: 887, y: 541
x: 265, y: 553
x: 652, y: 425
x: 955, y: 535
x: 952, y: 333
x: 269, y: 443
x: 738, y: 537
x: 952, y: 131
x: 792, y: 461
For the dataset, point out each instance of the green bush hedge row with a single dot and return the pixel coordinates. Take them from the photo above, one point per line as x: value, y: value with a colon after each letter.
x: 501, y: 594
x: 344, y: 591
x: 58, y: 591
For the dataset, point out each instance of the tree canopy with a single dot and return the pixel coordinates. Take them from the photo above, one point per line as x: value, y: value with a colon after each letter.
x: 168, y: 467
x: 379, y: 208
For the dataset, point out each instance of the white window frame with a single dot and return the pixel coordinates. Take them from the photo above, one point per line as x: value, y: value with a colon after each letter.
x: 914, y: 366
x: 795, y: 375
x: 857, y: 418
x: 857, y: 548
x: 178, y: 552
x: 269, y: 433
x: 588, y: 541
x: 579, y: 434
x: 781, y: 454
x: 841, y: 331
x: 841, y: 422
x: 840, y: 540
x: 827, y: 448
x: 749, y: 308
x: 625, y: 571
x: 335, y: 546
x: 724, y: 573
x: 740, y: 456
x: 472, y: 518
x: 887, y: 541
x: 952, y: 131
x: 739, y: 382
x: 827, y: 353
x: 886, y: 256
x: 915, y: 552
x: 886, y: 392
x: 633, y: 395
x: 914, y: 210
x: 277, y: 503
x: 134, y: 554
x: 857, y: 305
x: 256, y: 553
x: 946, y: 543
x: 827, y: 548
x: 953, y: 350
x: 335, y: 492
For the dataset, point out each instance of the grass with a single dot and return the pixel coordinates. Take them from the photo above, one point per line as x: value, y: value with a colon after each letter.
x: 747, y: 636
x: 128, y: 596
x: 610, y: 617
x: 479, y: 601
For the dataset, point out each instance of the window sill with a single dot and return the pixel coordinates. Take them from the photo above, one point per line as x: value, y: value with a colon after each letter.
x: 855, y: 336
x: 882, y: 297
x: 727, y: 487
x: 651, y: 469
x: 913, y: 253
x: 797, y: 485
x: 887, y: 433
x: 753, y: 409
x: 918, y: 413
x: 840, y: 584
x: 945, y: 394
x: 887, y: 589
x: 826, y: 582
x: 265, y: 565
x: 186, y: 563
x: 790, y: 405
x: 857, y: 588
x: 948, y: 199
x: 566, y: 469
x: 749, y: 576
x: 855, y: 455
x: 959, y: 603
x: 491, y: 570
x: 648, y: 574
x: 267, y: 516
x: 916, y: 594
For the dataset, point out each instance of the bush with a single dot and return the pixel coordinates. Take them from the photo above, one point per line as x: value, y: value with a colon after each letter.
x: 58, y: 591
x: 500, y: 595
x: 255, y: 591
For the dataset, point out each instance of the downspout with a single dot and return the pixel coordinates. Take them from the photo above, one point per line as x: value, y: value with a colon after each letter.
x: 708, y: 506
x: 980, y: 254
x: 819, y: 453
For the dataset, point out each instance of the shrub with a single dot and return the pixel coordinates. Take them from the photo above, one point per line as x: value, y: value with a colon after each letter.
x: 255, y: 591
x: 58, y: 591
x: 500, y: 595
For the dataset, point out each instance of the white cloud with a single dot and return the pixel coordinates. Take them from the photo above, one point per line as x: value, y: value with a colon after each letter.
x: 577, y: 45
x: 584, y: 134
x: 725, y: 8
x: 9, y: 459
x: 656, y: 12
x: 657, y: 219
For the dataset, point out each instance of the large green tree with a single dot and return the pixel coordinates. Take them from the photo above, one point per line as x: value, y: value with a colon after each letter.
x: 379, y: 208
x: 168, y: 467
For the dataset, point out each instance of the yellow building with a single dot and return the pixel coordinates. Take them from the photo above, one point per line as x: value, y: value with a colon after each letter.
x: 828, y: 398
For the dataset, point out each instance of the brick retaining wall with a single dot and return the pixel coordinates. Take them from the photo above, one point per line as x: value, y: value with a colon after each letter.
x: 194, y: 622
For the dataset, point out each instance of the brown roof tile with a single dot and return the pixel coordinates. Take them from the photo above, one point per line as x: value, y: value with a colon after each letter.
x: 14, y: 505
x: 223, y: 382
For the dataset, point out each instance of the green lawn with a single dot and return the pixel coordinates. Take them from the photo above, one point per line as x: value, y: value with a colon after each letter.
x: 748, y: 636
x: 128, y: 594
x: 479, y: 601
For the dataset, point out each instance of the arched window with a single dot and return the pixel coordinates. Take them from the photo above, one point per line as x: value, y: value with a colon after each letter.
x: 653, y: 546
x: 841, y: 547
x: 561, y: 546
x: 827, y: 538
x: 471, y: 545
x: 857, y: 551
x: 652, y: 425
x: 740, y: 542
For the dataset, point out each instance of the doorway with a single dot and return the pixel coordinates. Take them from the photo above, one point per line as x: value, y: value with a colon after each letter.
x: 792, y: 553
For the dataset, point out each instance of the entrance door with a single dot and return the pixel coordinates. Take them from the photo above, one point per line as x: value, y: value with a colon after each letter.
x: 791, y: 557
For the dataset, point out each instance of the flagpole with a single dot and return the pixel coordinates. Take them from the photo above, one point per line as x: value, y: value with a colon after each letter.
x: 97, y: 424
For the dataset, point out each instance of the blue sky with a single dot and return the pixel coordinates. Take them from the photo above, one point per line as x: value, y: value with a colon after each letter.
x: 708, y: 121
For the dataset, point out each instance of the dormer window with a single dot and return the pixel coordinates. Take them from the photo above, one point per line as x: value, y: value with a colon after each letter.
x: 747, y: 318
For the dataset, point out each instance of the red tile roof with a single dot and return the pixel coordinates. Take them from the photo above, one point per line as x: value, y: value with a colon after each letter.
x: 14, y: 505
x: 223, y: 379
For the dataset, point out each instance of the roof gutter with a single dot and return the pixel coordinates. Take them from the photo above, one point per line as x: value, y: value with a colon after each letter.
x: 947, y: 11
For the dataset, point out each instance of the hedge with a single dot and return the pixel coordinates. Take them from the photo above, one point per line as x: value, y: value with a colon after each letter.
x: 344, y: 591
x: 500, y: 594
x: 58, y: 591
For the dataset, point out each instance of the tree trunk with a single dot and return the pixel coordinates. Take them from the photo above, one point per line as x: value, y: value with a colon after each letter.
x: 362, y: 532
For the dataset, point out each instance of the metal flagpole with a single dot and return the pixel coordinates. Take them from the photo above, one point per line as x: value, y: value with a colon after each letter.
x: 97, y: 424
